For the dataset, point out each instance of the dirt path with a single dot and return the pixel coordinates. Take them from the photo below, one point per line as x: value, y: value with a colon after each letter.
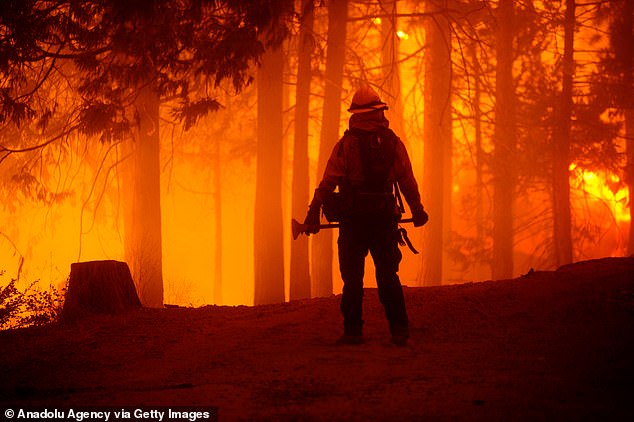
x: 550, y: 345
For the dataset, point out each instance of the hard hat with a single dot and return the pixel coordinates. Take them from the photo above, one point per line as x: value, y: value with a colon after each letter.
x: 366, y: 99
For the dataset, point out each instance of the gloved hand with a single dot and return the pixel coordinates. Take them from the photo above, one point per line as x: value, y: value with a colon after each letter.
x: 312, y: 222
x: 420, y: 217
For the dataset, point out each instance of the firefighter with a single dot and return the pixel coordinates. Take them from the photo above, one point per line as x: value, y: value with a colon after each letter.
x: 366, y: 168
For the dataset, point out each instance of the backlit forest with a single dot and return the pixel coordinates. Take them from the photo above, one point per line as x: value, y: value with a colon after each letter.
x: 182, y: 136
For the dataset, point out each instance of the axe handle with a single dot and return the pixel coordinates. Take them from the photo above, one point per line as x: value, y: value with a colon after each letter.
x: 299, y: 228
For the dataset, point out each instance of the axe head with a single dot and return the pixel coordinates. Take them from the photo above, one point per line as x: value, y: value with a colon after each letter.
x: 297, y: 228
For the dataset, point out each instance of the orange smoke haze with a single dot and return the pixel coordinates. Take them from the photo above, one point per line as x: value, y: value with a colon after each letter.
x: 41, y: 239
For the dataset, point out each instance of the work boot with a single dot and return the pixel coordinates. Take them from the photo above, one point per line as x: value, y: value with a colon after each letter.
x: 399, y: 339
x: 351, y: 339
x: 399, y: 335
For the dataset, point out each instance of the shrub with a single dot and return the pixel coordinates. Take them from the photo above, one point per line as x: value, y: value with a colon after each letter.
x: 31, y: 307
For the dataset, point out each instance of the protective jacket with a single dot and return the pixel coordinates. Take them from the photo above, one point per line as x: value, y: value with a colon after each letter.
x: 347, y: 165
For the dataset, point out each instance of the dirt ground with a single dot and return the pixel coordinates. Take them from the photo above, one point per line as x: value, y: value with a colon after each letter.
x: 555, y: 345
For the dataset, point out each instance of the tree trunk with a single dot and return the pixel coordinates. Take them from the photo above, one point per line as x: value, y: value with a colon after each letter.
x: 143, y: 244
x: 300, y: 271
x: 268, y: 231
x: 629, y: 134
x: 335, y: 60
x: 479, y: 158
x: 391, y: 70
x: 437, y: 141
x: 504, y: 140
x: 561, y: 148
x: 99, y: 287
x: 217, y: 286
x: 629, y: 112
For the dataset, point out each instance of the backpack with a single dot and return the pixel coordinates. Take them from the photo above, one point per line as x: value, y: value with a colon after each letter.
x: 374, y: 197
x: 378, y: 152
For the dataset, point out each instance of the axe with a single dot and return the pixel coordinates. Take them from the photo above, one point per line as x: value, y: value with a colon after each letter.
x: 299, y: 228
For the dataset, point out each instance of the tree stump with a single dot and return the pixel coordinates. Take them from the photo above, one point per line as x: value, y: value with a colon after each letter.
x: 99, y: 287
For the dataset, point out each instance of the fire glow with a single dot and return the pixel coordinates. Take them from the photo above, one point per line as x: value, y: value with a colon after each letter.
x: 604, y: 189
x: 208, y: 172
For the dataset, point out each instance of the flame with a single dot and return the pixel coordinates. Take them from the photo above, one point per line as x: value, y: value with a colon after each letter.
x: 402, y: 35
x: 602, y: 188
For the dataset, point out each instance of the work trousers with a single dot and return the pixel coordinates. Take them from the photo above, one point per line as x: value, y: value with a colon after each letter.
x: 380, y: 237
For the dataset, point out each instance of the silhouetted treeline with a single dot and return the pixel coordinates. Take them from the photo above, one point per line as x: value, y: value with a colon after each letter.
x: 518, y: 116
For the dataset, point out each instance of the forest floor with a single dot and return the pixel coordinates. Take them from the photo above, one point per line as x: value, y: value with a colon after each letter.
x: 550, y: 345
